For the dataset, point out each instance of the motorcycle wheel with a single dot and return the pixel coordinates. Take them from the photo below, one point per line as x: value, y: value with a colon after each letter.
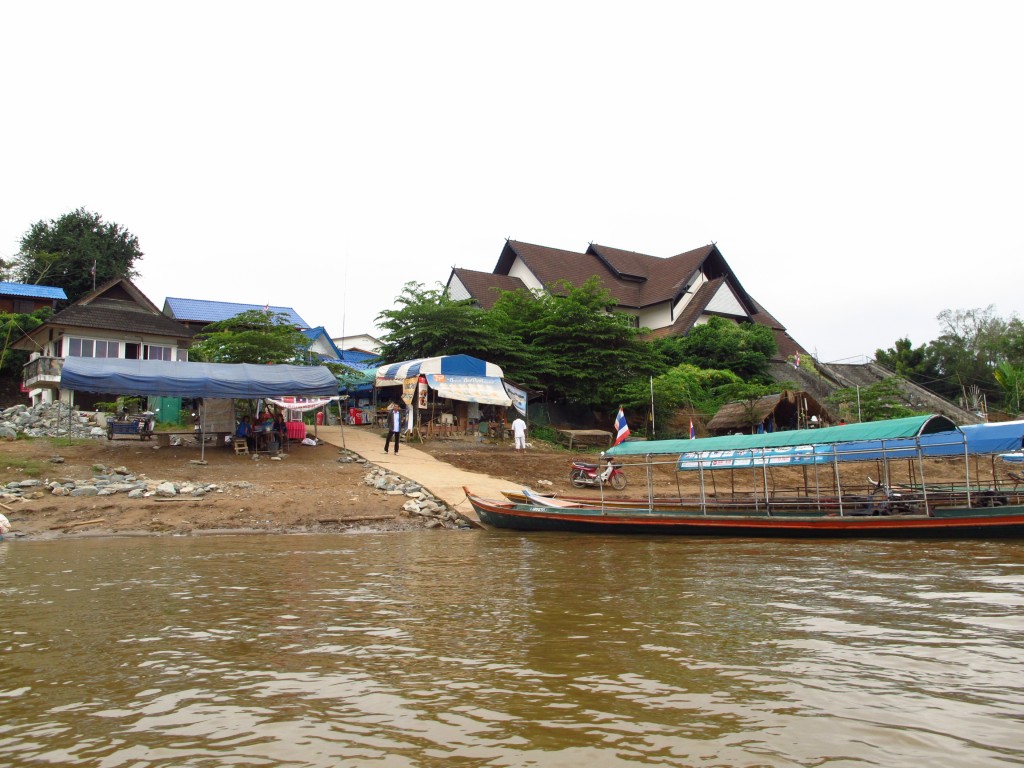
x: 618, y: 481
x: 577, y: 478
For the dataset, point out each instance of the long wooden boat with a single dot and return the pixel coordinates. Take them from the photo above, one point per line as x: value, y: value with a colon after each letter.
x: 889, y: 509
x: 953, y: 522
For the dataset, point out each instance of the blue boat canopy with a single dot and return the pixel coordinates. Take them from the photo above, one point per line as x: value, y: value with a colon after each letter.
x: 182, y: 379
x: 893, y: 439
x: 910, y: 427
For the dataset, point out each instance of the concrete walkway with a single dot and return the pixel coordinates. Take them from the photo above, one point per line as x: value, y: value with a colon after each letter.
x: 443, y: 480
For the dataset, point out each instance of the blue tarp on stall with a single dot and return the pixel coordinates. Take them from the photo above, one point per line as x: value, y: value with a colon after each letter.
x: 182, y: 379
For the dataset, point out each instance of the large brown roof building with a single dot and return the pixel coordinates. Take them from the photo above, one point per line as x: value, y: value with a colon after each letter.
x: 667, y: 295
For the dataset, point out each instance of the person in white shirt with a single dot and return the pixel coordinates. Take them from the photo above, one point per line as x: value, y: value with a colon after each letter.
x: 519, y: 430
x: 394, y: 427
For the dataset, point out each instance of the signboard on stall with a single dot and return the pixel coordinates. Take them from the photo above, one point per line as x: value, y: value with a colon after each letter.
x: 423, y: 392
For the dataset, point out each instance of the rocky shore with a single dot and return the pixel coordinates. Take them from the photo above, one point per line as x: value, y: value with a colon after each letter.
x: 61, y: 476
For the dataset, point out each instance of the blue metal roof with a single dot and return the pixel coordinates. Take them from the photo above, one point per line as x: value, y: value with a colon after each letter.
x: 313, y: 333
x: 32, y: 291
x: 214, y: 311
x: 360, y: 360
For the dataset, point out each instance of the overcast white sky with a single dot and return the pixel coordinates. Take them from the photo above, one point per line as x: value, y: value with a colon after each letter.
x: 860, y: 166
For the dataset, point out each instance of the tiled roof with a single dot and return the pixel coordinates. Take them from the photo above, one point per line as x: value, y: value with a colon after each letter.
x: 635, y: 280
x: 32, y: 291
x: 199, y: 310
x: 484, y: 286
x: 129, y: 318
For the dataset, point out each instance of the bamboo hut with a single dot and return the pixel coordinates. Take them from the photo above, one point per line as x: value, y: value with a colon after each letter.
x: 790, y: 409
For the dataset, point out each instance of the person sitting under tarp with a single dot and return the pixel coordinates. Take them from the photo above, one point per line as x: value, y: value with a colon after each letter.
x: 244, y: 432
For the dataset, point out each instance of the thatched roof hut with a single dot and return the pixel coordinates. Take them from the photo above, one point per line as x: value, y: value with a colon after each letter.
x: 787, y: 410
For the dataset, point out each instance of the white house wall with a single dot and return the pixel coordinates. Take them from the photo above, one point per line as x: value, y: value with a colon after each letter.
x: 687, y: 297
x: 457, y: 290
x: 657, y: 316
x: 724, y: 302
x: 520, y: 270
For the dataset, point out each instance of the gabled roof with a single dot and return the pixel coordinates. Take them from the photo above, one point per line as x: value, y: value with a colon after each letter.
x: 484, y: 287
x: 202, y: 311
x: 320, y: 333
x: 118, y: 305
x: 693, y: 310
x: 634, y: 280
x: 32, y: 291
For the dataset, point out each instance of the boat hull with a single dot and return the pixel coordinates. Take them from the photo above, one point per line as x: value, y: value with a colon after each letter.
x: 945, y: 523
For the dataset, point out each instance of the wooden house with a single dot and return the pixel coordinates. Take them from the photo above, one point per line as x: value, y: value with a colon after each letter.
x: 114, y: 321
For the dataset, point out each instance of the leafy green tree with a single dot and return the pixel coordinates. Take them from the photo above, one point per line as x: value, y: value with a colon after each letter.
x: 12, y: 328
x: 62, y: 252
x: 427, y: 323
x: 884, y: 399
x: 682, y: 388
x: 594, y: 351
x: 744, y: 348
x: 916, y: 364
x: 1010, y: 379
x: 968, y: 350
x: 254, y: 336
x: 514, y: 322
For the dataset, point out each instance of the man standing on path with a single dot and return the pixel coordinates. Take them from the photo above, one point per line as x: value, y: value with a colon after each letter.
x: 519, y: 430
x: 394, y: 427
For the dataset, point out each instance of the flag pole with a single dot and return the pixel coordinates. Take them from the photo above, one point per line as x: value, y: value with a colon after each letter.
x: 653, y: 431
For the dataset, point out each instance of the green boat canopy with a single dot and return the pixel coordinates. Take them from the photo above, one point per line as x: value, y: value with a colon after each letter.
x: 910, y: 427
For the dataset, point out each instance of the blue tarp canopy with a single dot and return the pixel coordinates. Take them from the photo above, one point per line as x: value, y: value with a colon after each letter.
x: 893, y: 439
x: 181, y: 379
x: 912, y: 426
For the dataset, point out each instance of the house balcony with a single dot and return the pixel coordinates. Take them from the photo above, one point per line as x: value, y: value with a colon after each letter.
x: 42, y: 373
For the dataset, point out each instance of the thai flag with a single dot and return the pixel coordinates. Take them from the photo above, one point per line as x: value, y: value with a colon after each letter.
x: 693, y: 432
x: 621, y: 427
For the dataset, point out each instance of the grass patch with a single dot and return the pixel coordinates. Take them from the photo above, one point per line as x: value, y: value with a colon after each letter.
x: 15, y: 467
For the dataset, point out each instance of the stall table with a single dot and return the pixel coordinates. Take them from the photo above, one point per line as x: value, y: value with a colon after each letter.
x: 296, y: 430
x: 581, y: 436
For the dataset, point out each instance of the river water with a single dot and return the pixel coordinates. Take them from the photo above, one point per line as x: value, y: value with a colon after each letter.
x: 500, y: 649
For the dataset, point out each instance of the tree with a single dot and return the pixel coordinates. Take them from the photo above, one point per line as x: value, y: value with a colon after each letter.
x: 1010, y: 379
x: 743, y: 348
x: 910, y: 363
x: 884, y: 399
x: 593, y: 352
x: 62, y: 252
x: 969, y: 348
x: 255, y: 336
x: 12, y: 328
x: 428, y: 323
x: 684, y: 387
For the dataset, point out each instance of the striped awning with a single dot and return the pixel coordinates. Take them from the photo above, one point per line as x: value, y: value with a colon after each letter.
x: 451, y: 365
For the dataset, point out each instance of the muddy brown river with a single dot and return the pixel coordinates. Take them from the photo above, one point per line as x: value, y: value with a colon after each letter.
x: 498, y: 649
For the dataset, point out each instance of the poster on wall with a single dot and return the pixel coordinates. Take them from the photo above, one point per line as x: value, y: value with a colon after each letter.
x: 517, y: 396
x: 409, y: 390
x: 423, y: 392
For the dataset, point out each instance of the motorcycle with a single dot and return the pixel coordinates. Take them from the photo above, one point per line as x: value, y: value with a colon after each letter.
x: 582, y: 474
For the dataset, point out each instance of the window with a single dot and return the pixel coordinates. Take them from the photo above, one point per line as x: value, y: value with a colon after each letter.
x: 153, y: 352
x: 92, y: 348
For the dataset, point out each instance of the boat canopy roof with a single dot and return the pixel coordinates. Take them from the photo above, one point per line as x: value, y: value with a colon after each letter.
x: 891, y: 429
